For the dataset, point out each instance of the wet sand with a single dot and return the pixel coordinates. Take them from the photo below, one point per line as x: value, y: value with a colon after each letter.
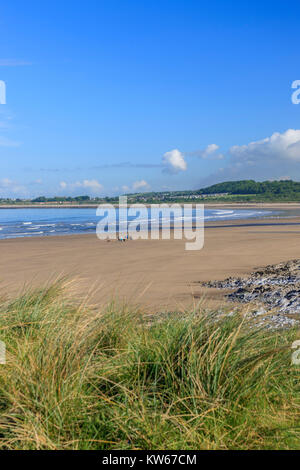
x: 156, y: 274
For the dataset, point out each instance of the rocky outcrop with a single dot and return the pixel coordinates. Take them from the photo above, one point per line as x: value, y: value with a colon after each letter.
x: 275, y: 289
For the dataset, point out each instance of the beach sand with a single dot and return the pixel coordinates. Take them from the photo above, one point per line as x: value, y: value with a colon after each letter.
x: 156, y: 274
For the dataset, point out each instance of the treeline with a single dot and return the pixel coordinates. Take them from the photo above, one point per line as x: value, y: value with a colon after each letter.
x: 228, y: 191
x: 58, y: 200
x: 286, y: 187
x: 76, y: 199
x: 61, y: 199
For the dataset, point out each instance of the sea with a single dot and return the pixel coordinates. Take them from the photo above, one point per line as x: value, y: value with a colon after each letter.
x: 44, y: 222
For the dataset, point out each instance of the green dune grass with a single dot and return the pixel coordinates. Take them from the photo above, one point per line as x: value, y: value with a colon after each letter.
x: 86, y: 378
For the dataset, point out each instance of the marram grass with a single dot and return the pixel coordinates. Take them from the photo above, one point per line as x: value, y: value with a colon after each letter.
x: 82, y: 378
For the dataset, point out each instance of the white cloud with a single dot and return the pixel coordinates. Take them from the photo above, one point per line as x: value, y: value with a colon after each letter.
x: 284, y: 178
x: 271, y: 157
x: 211, y: 148
x: 284, y: 146
x: 281, y: 178
x: 174, y: 162
x: 142, y: 184
x: 92, y: 185
x: 9, y: 187
x: 208, y: 152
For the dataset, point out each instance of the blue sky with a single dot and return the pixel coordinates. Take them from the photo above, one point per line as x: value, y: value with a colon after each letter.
x: 106, y: 97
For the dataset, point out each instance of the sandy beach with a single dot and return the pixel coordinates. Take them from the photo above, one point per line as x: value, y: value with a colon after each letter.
x: 156, y: 274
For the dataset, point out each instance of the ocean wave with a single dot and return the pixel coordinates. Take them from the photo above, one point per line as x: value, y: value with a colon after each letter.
x: 224, y: 212
x: 64, y: 221
x: 20, y: 234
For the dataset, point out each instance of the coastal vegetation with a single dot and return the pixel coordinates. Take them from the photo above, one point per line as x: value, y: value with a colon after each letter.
x: 244, y: 191
x: 79, y: 377
x: 231, y: 192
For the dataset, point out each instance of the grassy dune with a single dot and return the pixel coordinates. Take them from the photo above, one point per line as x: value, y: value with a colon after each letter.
x: 82, y: 378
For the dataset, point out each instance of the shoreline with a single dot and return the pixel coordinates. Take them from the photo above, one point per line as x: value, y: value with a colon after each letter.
x: 86, y: 224
x: 267, y: 221
x: 235, y: 205
x: 158, y: 274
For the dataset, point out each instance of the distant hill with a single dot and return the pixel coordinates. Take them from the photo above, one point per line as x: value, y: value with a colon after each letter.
x: 229, y: 191
x: 285, y: 187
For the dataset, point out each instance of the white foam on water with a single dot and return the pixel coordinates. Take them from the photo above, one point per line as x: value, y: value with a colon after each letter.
x: 63, y: 222
x: 46, y: 225
x: 26, y: 234
x: 224, y: 212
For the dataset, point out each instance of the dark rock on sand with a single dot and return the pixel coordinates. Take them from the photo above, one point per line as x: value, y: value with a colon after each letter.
x: 275, y: 289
